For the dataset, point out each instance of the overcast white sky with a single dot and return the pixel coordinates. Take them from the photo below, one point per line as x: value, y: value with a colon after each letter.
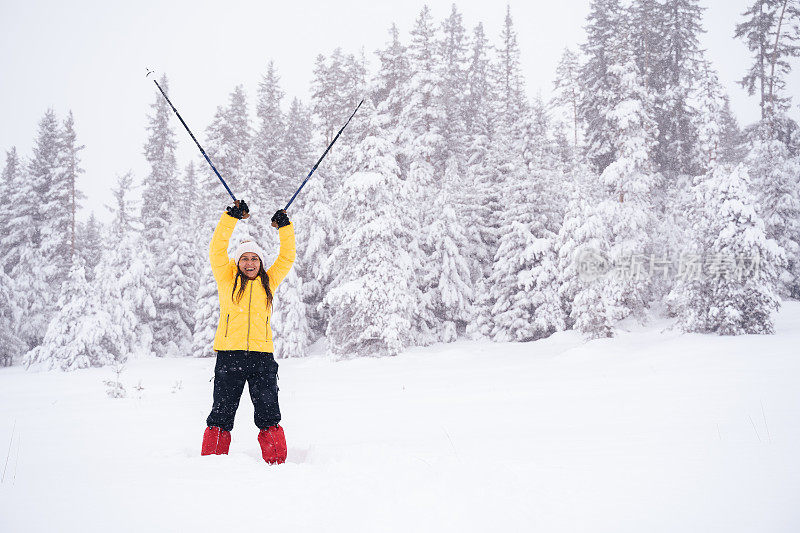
x: 91, y: 56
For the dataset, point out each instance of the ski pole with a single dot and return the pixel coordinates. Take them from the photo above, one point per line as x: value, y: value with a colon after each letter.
x: 321, y: 158
x: 192, y: 136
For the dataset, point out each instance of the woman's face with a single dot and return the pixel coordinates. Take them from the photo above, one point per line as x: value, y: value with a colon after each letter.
x: 249, y: 265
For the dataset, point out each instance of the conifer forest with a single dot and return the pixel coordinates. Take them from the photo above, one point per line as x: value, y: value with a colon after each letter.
x: 456, y: 205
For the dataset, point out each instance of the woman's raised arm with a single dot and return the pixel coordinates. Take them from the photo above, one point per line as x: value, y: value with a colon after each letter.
x: 218, y: 250
x: 286, y: 254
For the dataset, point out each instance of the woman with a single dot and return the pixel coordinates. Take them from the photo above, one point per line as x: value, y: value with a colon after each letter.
x: 244, y: 338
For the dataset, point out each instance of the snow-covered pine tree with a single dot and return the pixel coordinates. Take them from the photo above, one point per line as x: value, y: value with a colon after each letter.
x: 541, y: 158
x: 647, y: 36
x: 421, y: 140
x: 125, y: 276
x: 489, y: 216
x: 339, y: 163
x: 124, y: 208
x: 579, y: 237
x: 603, y: 39
x: 584, y: 281
x: 525, y: 303
x: 389, y: 89
x: 567, y: 91
x: 421, y: 147
x: 448, y: 281
x: 127, y: 305
x: 621, y: 226
x: 158, y: 217
x: 289, y: 322
x: 191, y: 195
x: 185, y: 260
x: 35, y: 269
x: 355, y: 82
x: 509, y: 83
x: 372, y: 299
x: 479, y: 100
x: 630, y: 179
x: 297, y: 144
x: 67, y: 179
x: 755, y: 31
x: 267, y: 171
x: 770, y: 32
x: 453, y: 53
x: 323, y: 93
x: 81, y: 334
x: 320, y: 236
x: 159, y: 151
x: 194, y: 254
x: 564, y: 146
x: 478, y: 196
x: 337, y: 87
x: 11, y: 345
x: 732, y: 148
x: 776, y: 184
x: 681, y: 21
x: 89, y: 244
x: 44, y: 164
x: 737, y: 291
x: 60, y: 204
x: 709, y: 120
x: 229, y: 137
x: 388, y: 86
x: 10, y: 179
x: 206, y: 313
x: 529, y: 307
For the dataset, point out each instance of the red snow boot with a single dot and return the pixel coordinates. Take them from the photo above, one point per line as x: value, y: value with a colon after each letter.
x: 273, y: 445
x: 216, y: 441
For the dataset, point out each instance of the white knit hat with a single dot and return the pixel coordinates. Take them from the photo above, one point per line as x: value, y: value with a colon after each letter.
x: 248, y: 246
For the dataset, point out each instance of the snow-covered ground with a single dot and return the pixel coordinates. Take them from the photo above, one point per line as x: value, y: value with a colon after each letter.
x: 651, y: 431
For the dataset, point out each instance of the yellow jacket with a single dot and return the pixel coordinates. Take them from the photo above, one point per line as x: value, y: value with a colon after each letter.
x: 245, y: 325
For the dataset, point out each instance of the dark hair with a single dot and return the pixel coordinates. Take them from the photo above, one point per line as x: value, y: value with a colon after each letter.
x: 243, y: 283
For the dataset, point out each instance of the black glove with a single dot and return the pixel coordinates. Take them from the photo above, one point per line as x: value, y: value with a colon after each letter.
x: 280, y: 219
x: 239, y: 210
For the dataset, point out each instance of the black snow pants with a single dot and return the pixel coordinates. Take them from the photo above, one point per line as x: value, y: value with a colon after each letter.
x: 260, y: 371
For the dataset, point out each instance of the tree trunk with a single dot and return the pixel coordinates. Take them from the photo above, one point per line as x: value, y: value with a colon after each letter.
x: 774, y: 59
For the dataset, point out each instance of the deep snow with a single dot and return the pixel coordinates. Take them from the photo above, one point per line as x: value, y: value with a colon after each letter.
x: 651, y: 431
